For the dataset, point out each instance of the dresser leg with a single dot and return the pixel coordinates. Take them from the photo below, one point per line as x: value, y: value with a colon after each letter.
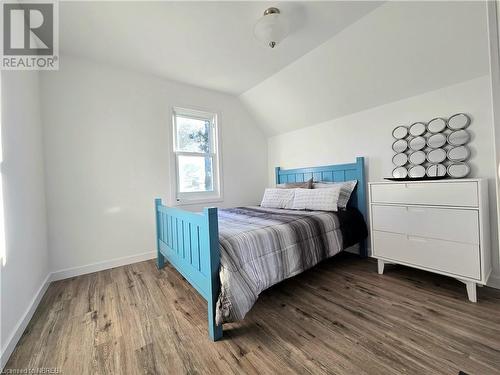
x: 380, y: 266
x: 471, y: 290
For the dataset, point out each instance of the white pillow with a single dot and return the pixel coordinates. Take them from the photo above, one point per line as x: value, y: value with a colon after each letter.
x: 346, y: 189
x: 278, y: 198
x: 317, y: 199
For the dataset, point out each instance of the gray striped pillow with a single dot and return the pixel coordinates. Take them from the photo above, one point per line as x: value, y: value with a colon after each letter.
x: 346, y: 190
x: 296, y: 185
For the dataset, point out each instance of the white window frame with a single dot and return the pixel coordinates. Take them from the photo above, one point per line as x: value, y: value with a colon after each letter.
x: 185, y: 198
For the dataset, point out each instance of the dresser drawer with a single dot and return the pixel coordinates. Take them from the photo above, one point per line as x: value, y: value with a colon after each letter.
x: 452, y: 257
x: 463, y: 194
x: 459, y: 225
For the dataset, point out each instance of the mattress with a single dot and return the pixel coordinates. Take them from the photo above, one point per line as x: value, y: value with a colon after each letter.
x: 261, y: 247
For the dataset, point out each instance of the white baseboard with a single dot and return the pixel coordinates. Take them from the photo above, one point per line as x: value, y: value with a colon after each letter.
x: 100, y: 266
x: 59, y: 275
x: 23, y: 323
x: 494, y: 281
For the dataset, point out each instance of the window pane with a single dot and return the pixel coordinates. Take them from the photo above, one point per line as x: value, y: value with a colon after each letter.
x: 195, y: 174
x: 193, y: 135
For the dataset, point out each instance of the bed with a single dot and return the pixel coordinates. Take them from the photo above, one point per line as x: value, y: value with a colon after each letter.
x: 229, y: 256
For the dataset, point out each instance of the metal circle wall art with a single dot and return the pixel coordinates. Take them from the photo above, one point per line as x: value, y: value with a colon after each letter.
x: 459, y: 153
x: 458, y: 137
x: 436, y: 140
x: 418, y: 128
x: 458, y: 121
x: 436, y: 156
x: 417, y: 157
x: 400, y: 172
x: 417, y: 171
x: 436, y: 170
x: 417, y: 143
x: 400, y: 132
x: 458, y: 170
x: 400, y: 145
x: 436, y: 149
x: 400, y: 159
x: 436, y: 125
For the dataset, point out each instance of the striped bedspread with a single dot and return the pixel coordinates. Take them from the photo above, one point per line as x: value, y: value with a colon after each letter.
x: 261, y: 247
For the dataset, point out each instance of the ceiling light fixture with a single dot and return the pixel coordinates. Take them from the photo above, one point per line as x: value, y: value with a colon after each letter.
x: 272, y: 28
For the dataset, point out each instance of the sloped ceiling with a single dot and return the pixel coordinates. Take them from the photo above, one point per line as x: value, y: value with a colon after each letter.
x: 399, y: 50
x: 208, y: 44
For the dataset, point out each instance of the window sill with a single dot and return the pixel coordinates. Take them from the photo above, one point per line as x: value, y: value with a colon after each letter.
x: 203, y: 201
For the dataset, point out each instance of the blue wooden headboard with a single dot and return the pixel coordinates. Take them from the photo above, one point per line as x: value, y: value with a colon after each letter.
x: 333, y: 173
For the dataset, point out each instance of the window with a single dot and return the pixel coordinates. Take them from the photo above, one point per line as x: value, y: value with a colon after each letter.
x: 196, y: 156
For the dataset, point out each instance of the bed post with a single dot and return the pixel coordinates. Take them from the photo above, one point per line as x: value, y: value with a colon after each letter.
x: 160, y: 259
x: 361, y: 200
x: 277, y: 174
x: 214, y: 331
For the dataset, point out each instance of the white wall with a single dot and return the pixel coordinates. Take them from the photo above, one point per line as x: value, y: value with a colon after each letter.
x: 107, y: 135
x: 403, y: 62
x: 25, y: 266
x: 494, y: 40
x: 399, y: 50
x: 368, y: 133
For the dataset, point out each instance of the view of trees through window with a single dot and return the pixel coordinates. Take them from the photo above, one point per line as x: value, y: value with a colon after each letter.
x: 194, y: 149
x: 193, y: 135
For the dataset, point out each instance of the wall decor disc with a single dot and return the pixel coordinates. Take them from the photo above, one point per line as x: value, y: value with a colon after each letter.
x: 436, y: 125
x: 400, y: 145
x: 416, y: 171
x: 417, y: 143
x: 458, y: 121
x: 400, y: 172
x: 458, y: 170
x: 417, y: 129
x: 458, y: 137
x: 436, y: 140
x: 459, y: 153
x: 436, y: 156
x: 417, y: 157
x: 400, y: 132
x: 400, y: 159
x: 436, y: 170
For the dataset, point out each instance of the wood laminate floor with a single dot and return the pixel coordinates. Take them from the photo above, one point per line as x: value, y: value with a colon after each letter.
x: 338, y: 318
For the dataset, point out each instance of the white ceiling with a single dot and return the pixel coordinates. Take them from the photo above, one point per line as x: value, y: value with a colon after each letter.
x: 401, y: 49
x: 207, y: 44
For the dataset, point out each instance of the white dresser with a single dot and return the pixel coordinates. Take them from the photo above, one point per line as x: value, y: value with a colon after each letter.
x: 439, y: 226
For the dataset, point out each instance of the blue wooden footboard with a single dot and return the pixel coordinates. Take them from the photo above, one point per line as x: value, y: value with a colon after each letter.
x: 190, y: 242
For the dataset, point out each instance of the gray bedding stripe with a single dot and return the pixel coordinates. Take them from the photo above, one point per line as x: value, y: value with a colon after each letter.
x: 262, y: 246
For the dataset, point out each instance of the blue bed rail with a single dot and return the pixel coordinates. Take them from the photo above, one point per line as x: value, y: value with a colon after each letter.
x: 190, y: 241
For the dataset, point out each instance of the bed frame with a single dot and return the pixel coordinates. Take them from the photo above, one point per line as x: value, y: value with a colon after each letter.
x: 190, y: 241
